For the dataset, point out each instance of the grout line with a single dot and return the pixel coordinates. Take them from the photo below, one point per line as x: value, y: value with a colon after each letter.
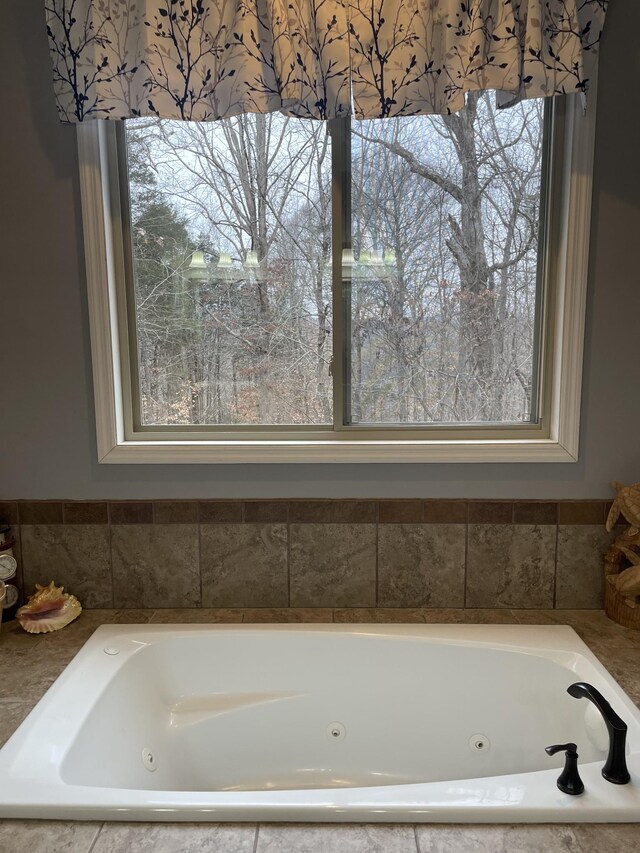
x: 255, y: 840
x: 415, y: 837
x: 555, y: 568
x: 288, y: 562
x: 20, y: 572
x: 110, y: 535
x: 95, y: 838
x: 377, y: 566
x: 200, y: 560
x: 466, y: 553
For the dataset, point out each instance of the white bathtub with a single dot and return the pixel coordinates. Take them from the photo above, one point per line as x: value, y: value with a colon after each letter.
x: 319, y: 723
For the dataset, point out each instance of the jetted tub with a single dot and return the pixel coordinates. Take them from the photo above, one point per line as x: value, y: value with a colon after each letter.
x: 319, y: 723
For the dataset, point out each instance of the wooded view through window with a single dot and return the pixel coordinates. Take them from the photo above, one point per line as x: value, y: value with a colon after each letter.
x: 231, y: 235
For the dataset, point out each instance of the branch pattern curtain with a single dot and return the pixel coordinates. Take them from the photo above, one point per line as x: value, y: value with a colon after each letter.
x: 207, y: 59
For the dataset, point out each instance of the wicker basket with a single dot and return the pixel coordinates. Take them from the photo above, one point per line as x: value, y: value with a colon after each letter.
x: 616, y: 606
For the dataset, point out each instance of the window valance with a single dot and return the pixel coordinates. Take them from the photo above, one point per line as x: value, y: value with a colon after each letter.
x: 207, y: 59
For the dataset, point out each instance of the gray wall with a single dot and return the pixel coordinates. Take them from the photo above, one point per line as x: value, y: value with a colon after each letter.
x: 47, y: 446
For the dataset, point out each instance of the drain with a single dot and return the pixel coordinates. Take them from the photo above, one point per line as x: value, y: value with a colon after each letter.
x: 149, y: 760
x: 336, y: 731
x: 479, y: 743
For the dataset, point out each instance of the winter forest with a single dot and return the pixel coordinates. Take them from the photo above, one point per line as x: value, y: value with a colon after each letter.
x: 231, y: 225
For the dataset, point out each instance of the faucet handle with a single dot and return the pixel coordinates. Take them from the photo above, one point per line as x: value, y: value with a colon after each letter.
x: 558, y: 747
x: 569, y: 781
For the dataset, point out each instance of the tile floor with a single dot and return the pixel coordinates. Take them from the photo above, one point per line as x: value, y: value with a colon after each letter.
x: 30, y: 664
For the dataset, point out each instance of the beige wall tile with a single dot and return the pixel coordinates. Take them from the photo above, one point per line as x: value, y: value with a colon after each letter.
x: 510, y: 565
x: 131, y: 512
x: 8, y: 512
x: 266, y: 511
x: 40, y: 512
x: 444, y: 511
x: 407, y: 512
x: 580, y: 566
x: 490, y: 512
x: 582, y: 512
x: 220, y: 511
x: 76, y: 556
x: 421, y: 565
x: 333, y: 511
x: 332, y: 565
x: 535, y: 512
x: 244, y: 565
x: 155, y: 565
x: 85, y: 512
x: 175, y: 512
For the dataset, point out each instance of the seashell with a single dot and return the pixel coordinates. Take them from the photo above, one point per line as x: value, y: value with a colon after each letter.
x: 628, y: 582
x: 628, y: 538
x: 627, y: 502
x: 48, y: 609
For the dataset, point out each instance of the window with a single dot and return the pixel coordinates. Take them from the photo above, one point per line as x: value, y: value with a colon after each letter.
x: 274, y: 289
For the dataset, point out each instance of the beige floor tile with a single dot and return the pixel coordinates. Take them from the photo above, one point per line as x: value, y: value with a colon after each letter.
x: 175, y: 838
x: 608, y: 838
x: 497, y: 839
x: 335, y: 838
x: 196, y: 615
x: 594, y: 626
x: 481, y: 616
x: 14, y: 640
x: 535, y: 617
x: 29, y: 682
x: 378, y: 614
x: 46, y: 836
x: 11, y: 715
x: 288, y: 614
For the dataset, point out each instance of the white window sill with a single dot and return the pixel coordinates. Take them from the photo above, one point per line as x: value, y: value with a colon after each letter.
x: 199, y: 452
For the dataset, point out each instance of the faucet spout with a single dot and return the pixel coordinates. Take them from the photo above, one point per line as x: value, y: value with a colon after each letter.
x: 615, y: 767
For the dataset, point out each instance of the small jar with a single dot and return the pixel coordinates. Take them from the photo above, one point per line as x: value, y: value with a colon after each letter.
x: 8, y: 566
x: 8, y: 574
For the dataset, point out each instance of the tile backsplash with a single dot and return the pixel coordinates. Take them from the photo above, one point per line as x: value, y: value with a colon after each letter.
x: 324, y: 554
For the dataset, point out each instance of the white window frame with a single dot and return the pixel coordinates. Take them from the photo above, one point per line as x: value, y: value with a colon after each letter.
x: 555, y: 439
